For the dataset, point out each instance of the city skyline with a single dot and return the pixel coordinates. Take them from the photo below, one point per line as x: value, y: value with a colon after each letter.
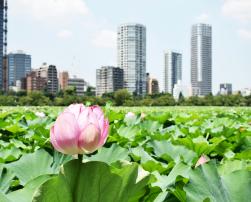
x: 81, y: 51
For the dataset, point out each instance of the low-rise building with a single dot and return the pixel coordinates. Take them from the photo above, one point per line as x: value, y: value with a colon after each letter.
x: 226, y: 89
x: 63, y: 80
x: 45, y: 78
x: 152, y: 86
x: 109, y: 79
x: 79, y: 84
x: 34, y: 82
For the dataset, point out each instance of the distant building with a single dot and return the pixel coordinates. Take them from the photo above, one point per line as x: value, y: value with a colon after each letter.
x: 201, y: 59
x: 246, y: 92
x: 180, y: 89
x: 52, y: 79
x: 132, y: 56
x: 63, y: 80
x: 172, y: 70
x: 152, y: 85
x: 43, y: 71
x: 34, y: 82
x: 225, y: 89
x: 45, y: 78
x: 3, y: 44
x: 17, y: 87
x: 79, y: 84
x: 19, y: 65
x: 108, y: 79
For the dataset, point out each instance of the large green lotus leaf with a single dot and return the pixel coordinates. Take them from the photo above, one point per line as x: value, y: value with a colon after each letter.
x: 112, y: 115
x: 30, y: 166
x: 3, y: 198
x: 132, y: 120
x: 128, y: 132
x: 161, y: 197
x: 232, y: 165
x: 134, y: 179
x: 91, y: 182
x: 177, y: 153
x: 151, y: 126
x: 18, y: 144
x: 147, y: 162
x: 26, y: 194
x: 244, y: 154
x: 6, y: 177
x: 55, y: 189
x: 206, y: 183
x: 9, y: 154
x: 164, y: 182
x: 15, y: 128
x: 110, y: 155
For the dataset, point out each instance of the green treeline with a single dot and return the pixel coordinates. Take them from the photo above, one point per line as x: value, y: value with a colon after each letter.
x: 119, y: 98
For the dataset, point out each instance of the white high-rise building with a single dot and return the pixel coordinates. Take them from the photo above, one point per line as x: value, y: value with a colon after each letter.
x: 172, y: 70
x: 132, y: 56
x: 201, y: 59
x: 180, y: 89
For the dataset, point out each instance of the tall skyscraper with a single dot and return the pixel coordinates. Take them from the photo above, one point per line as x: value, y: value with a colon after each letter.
x: 3, y: 44
x: 132, y: 57
x: 201, y: 59
x: 108, y: 79
x: 19, y: 65
x: 172, y: 70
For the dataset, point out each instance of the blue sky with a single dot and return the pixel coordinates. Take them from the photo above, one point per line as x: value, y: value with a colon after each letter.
x: 80, y: 35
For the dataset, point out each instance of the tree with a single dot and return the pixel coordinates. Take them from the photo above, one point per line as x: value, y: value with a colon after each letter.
x: 90, y: 91
x: 181, y: 99
x: 121, y: 96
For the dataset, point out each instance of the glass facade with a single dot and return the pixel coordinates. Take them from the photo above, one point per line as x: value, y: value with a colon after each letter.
x: 201, y: 59
x: 132, y: 57
x: 19, y: 65
x: 172, y: 70
x: 1, y: 41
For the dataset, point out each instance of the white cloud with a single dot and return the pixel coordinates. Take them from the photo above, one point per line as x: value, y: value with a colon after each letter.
x: 49, y: 9
x: 105, y: 39
x: 238, y: 9
x: 245, y: 34
x: 64, y: 34
x: 204, y: 17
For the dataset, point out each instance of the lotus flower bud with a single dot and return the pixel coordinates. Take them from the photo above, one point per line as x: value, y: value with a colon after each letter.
x: 40, y: 114
x: 130, y: 115
x: 203, y: 159
x: 79, y: 130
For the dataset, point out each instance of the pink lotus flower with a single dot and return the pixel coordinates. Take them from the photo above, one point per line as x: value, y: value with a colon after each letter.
x: 203, y: 159
x: 79, y: 130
